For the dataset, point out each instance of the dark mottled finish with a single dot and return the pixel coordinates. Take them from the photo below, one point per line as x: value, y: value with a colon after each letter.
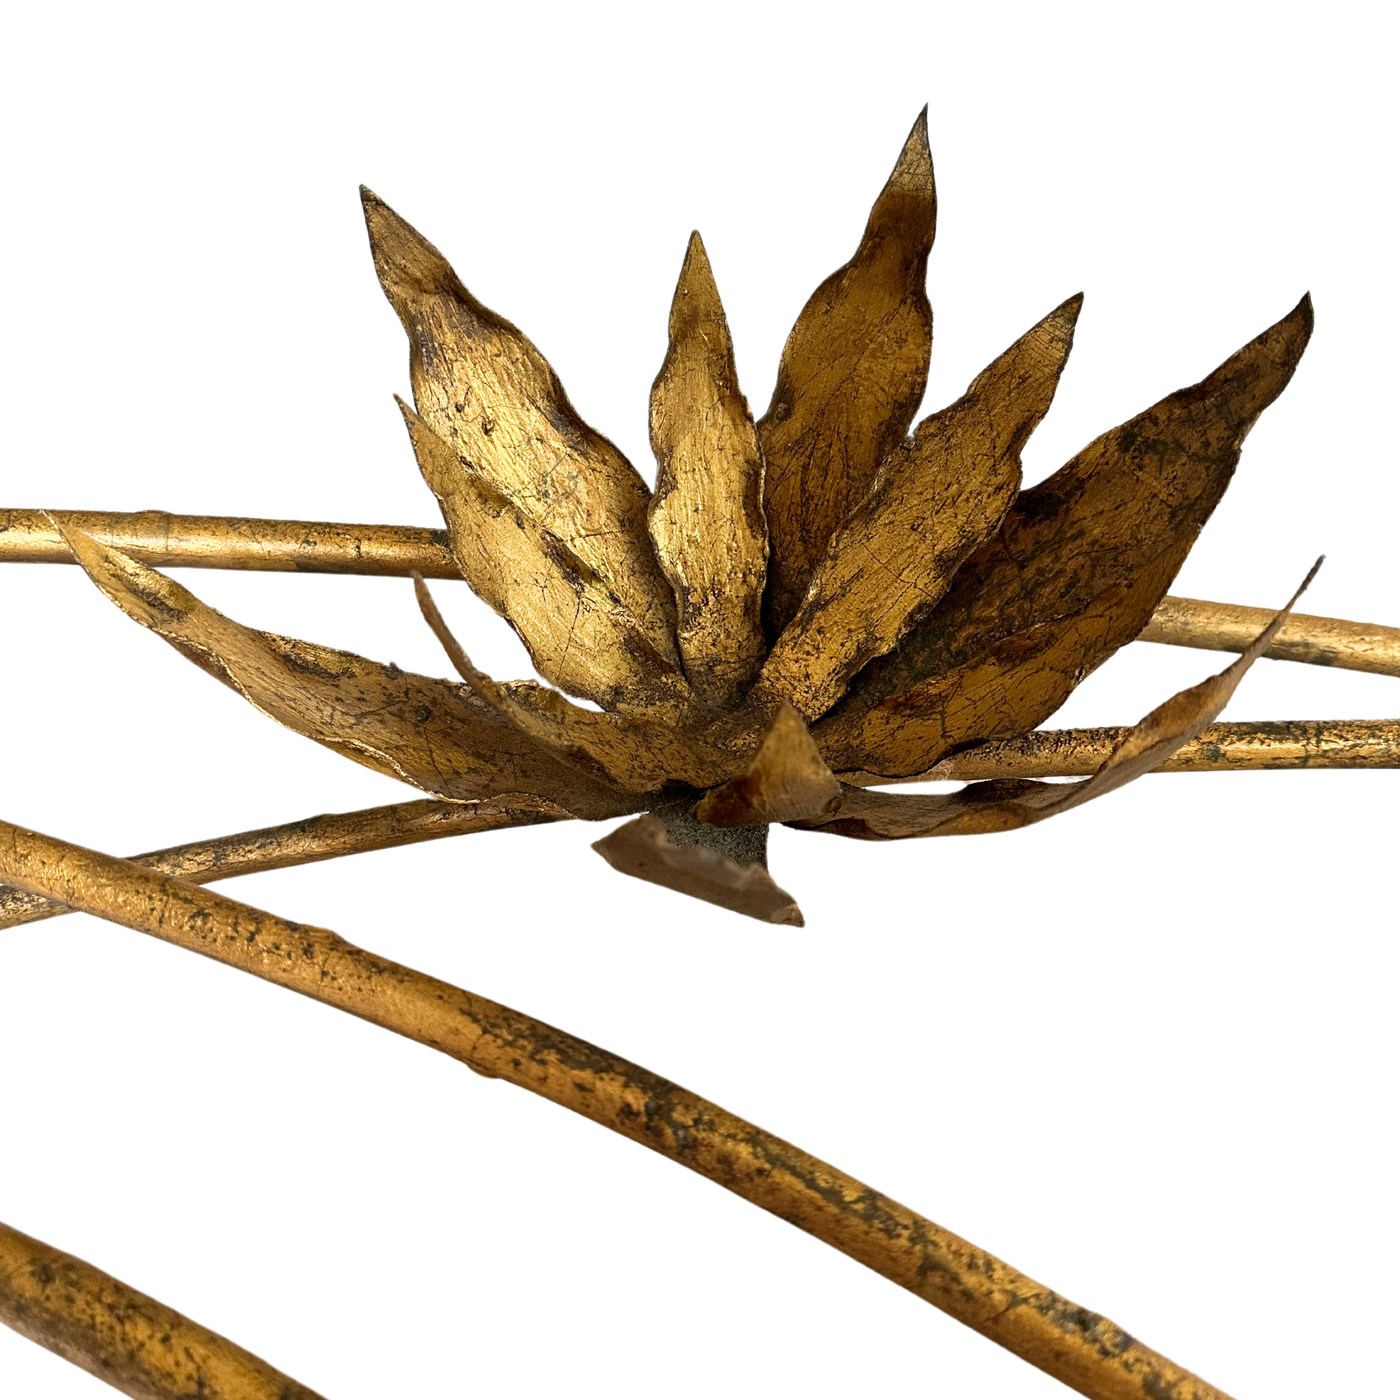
x: 853, y: 373
x: 311, y: 839
x: 431, y: 733
x: 137, y: 1345
x: 1120, y: 516
x: 1079, y: 1347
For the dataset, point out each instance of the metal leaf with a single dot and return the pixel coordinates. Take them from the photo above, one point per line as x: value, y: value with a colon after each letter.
x: 645, y: 849
x: 1010, y: 803
x: 639, y: 756
x: 484, y: 387
x: 1074, y: 572
x: 936, y: 498
x: 706, y: 517
x: 852, y: 374
x: 579, y: 634
x: 787, y: 781
x: 426, y: 732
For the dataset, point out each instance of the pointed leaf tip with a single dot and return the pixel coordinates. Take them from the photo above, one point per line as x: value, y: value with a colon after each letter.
x: 853, y: 371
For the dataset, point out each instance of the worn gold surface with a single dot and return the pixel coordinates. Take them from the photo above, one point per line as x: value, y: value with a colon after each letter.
x: 227, y: 542
x: 489, y: 393
x: 706, y: 517
x: 1246, y: 746
x: 787, y: 780
x: 852, y: 373
x: 312, y: 839
x: 1320, y: 641
x: 137, y: 1345
x: 650, y: 849
x: 1075, y: 571
x: 1007, y: 804
x: 578, y: 634
x: 318, y: 546
x: 430, y: 733
x: 935, y: 498
x: 1084, y: 1350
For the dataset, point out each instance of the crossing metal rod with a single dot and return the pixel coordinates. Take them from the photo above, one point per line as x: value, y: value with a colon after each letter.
x: 317, y: 546
x: 1083, y: 1349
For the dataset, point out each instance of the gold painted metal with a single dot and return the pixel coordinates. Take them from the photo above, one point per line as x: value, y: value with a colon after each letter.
x: 579, y: 635
x: 680, y: 856
x: 936, y: 497
x: 163, y: 540
x: 426, y: 732
x: 787, y: 781
x: 706, y: 516
x: 1007, y: 804
x: 851, y: 377
x: 398, y: 551
x: 312, y: 839
x: 812, y: 595
x: 1084, y: 1350
x: 1248, y: 746
x: 1075, y: 571
x: 485, y: 390
x: 1319, y: 641
x: 1240, y: 747
x: 137, y: 1345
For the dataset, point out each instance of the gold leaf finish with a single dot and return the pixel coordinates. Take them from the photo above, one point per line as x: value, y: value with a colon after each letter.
x: 1120, y: 516
x: 164, y: 540
x: 706, y: 516
x: 312, y: 839
x: 852, y: 374
x: 787, y: 780
x: 1009, y: 804
x: 1243, y: 746
x: 1083, y: 1349
x: 647, y: 850
x: 808, y: 608
x: 1319, y: 641
x: 489, y: 393
x: 425, y: 732
x: 137, y: 1345
x: 578, y: 634
x: 936, y: 497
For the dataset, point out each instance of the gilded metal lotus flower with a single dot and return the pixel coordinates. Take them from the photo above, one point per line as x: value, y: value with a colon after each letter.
x: 805, y: 606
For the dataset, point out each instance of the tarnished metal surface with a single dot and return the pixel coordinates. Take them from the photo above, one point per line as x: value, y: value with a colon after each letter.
x: 137, y: 1345
x: 935, y: 498
x: 327, y: 547
x: 1075, y: 571
x: 706, y: 517
x: 1007, y: 804
x: 852, y: 374
x: 1319, y: 641
x: 312, y: 839
x: 1081, y: 1348
x: 1245, y: 746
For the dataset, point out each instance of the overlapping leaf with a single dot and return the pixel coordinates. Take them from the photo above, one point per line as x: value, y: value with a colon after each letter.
x: 724, y: 868
x: 484, y: 388
x: 1074, y: 572
x: 786, y: 781
x: 639, y: 755
x: 706, y: 516
x: 426, y: 732
x: 578, y: 634
x: 852, y: 374
x: 1008, y: 804
x: 936, y: 497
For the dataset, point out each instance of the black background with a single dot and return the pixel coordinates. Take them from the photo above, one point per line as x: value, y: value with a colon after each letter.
x: 1115, y: 1049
